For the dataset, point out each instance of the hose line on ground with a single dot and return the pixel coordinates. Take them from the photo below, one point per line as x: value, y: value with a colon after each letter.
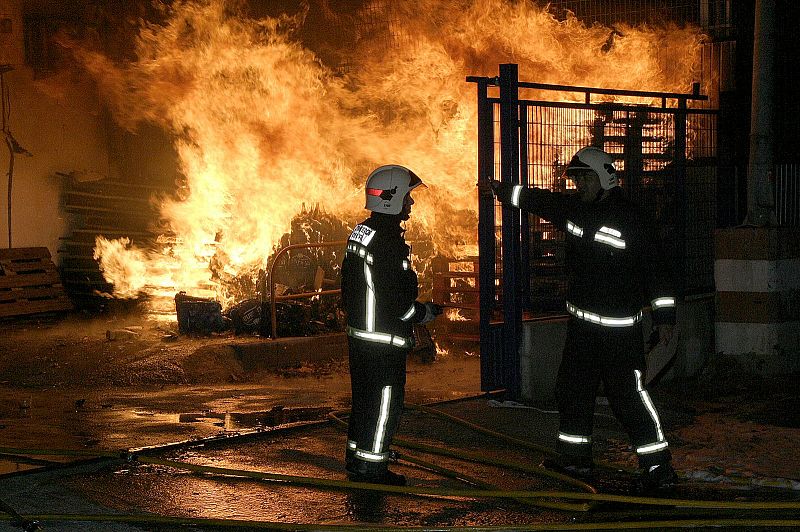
x: 482, y: 430
x: 532, y: 497
x: 503, y: 437
x: 473, y: 493
x: 483, y: 459
x: 486, y: 486
x: 304, y: 527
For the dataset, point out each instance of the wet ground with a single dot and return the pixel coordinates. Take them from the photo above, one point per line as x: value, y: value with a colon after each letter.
x: 62, y: 386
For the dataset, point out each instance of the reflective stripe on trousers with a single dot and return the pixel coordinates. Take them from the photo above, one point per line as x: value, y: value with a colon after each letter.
x: 660, y: 443
x: 375, y: 455
x: 574, y: 439
x: 605, y: 321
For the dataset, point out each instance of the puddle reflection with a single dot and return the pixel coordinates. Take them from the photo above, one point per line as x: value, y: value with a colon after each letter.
x: 234, y: 421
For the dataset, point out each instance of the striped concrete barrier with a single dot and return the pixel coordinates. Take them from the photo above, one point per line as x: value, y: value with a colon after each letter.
x: 757, y: 277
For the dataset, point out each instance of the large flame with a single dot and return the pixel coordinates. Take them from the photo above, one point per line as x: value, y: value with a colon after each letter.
x: 262, y: 127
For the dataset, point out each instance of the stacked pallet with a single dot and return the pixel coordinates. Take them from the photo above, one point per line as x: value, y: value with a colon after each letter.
x: 455, y: 284
x: 107, y: 208
x: 29, y: 283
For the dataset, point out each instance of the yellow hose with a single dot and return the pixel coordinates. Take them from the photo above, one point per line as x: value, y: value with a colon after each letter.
x: 482, y: 430
x: 272, y: 525
x: 531, y: 497
x: 486, y: 486
x: 509, y: 494
x: 483, y: 459
x: 501, y: 436
x: 410, y: 490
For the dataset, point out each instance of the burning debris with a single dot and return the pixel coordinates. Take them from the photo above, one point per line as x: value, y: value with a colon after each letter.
x: 304, y: 270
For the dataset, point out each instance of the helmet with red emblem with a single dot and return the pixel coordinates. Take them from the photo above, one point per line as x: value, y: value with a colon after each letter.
x: 387, y: 187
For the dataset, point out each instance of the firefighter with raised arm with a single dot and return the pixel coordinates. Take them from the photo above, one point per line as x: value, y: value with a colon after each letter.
x: 379, y: 295
x: 615, y: 267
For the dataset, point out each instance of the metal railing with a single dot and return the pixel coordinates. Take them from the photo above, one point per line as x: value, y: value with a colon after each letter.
x: 273, y: 298
x: 787, y: 194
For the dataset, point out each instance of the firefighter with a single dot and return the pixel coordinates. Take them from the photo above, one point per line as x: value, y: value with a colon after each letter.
x: 615, y: 266
x: 379, y: 295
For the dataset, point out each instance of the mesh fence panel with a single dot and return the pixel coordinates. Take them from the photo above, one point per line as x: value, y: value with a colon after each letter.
x: 642, y: 141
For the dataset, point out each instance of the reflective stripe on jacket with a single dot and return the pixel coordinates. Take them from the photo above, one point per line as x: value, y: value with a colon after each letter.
x: 614, y: 257
x: 379, y: 287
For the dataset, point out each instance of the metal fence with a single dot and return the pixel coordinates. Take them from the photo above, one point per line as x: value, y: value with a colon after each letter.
x: 643, y: 144
x: 609, y: 12
x: 666, y: 161
x: 716, y: 17
x: 787, y: 194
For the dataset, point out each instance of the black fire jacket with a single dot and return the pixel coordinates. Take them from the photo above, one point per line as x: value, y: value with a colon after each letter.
x: 379, y: 287
x: 614, y: 258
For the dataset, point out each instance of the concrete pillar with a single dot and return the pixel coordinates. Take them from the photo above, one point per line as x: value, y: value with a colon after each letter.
x: 761, y: 163
x: 757, y: 276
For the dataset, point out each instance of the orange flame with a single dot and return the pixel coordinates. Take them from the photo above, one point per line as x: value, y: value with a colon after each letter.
x: 262, y: 127
x: 454, y: 314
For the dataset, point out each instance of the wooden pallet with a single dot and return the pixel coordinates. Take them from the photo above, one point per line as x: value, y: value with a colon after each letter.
x: 29, y: 283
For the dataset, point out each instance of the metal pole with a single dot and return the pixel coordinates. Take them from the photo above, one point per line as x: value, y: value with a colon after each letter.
x: 525, y: 228
x: 10, y: 185
x: 486, y: 238
x: 509, y: 172
x: 682, y: 200
x: 760, y: 202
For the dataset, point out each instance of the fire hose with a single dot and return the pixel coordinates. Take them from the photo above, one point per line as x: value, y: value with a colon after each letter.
x: 536, y: 498
x: 240, y: 524
x: 411, y: 490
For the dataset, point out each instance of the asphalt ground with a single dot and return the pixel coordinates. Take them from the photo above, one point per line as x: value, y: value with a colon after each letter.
x: 66, y: 386
x: 314, y: 449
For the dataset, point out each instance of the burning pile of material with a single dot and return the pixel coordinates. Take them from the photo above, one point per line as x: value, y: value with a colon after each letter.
x: 262, y: 127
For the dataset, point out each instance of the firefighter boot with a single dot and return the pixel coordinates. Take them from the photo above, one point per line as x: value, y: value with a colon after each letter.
x: 659, y: 477
x: 373, y: 473
x: 580, y: 468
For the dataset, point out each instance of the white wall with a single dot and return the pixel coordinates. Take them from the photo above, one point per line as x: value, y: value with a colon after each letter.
x: 58, y: 120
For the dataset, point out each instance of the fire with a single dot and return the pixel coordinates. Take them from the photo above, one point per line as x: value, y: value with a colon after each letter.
x: 441, y: 352
x: 454, y: 314
x: 263, y: 128
x: 122, y: 263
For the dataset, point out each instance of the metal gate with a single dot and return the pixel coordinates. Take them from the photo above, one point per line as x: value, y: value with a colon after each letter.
x: 666, y: 160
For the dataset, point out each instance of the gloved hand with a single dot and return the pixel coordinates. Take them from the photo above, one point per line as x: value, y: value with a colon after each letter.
x: 431, y: 311
x: 489, y: 185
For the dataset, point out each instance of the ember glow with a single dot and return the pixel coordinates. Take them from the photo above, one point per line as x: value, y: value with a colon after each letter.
x: 263, y: 128
x: 454, y: 314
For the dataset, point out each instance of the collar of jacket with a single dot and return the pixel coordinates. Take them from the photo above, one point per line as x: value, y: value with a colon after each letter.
x: 387, y: 223
x: 614, y: 195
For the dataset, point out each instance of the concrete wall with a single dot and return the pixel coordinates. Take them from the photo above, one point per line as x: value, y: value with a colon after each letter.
x: 540, y: 355
x: 58, y: 120
x: 757, y: 273
x: 543, y: 342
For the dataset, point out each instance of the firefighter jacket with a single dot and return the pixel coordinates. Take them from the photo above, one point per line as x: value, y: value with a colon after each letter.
x: 379, y: 288
x: 614, y: 259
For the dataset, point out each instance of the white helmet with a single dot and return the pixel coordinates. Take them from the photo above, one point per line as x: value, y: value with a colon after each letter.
x: 387, y: 187
x: 595, y: 159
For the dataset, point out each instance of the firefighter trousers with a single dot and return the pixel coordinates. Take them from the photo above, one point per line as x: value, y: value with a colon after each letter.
x: 613, y: 356
x: 378, y: 381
